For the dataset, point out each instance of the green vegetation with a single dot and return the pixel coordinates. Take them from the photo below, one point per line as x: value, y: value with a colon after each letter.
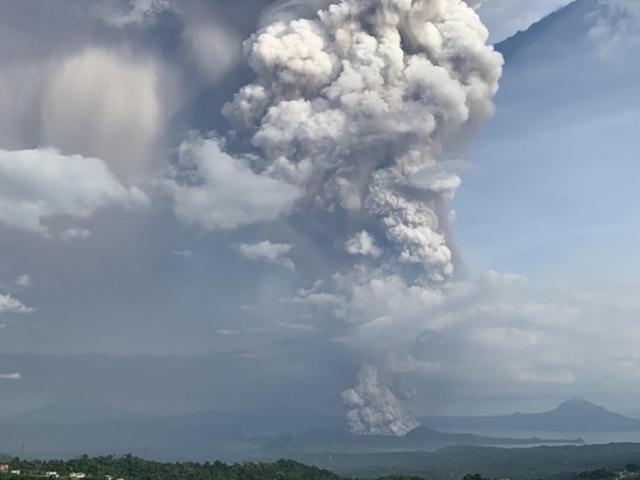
x: 594, y: 462
x: 549, y: 463
x: 133, y: 468
x: 597, y: 474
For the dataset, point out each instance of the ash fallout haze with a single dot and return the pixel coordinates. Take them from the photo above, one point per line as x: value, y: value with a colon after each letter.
x: 236, y: 229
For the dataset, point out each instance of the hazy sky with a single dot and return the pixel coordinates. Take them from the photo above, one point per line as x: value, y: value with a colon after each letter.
x: 138, y: 216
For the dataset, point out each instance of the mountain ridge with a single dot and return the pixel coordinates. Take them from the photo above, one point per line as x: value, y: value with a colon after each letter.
x: 574, y: 13
x: 575, y: 415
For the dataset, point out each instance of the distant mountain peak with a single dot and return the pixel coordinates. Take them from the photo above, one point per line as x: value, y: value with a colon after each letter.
x: 581, y: 406
x: 578, y: 403
x: 574, y: 415
x: 569, y: 23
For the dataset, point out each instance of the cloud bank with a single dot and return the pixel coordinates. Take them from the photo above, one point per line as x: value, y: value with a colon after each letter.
x: 37, y: 185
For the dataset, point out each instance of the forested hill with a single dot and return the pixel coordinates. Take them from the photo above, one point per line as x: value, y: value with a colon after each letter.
x: 133, y: 468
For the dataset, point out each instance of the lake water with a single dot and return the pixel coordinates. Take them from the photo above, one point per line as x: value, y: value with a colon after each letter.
x: 590, y: 438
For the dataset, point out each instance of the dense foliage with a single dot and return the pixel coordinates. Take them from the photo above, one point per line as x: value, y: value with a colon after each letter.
x: 559, y: 463
x: 597, y: 474
x: 549, y: 463
x: 133, y: 468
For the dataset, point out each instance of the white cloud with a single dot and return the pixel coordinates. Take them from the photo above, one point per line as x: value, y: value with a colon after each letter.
x: 36, y: 185
x: 10, y: 376
x: 8, y: 304
x: 266, y: 251
x: 375, y: 299
x: 498, y: 331
x: 24, y: 280
x: 224, y: 193
x: 142, y: 12
x: 183, y: 253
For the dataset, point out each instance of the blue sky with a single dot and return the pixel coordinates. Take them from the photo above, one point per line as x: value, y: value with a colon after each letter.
x: 552, y: 188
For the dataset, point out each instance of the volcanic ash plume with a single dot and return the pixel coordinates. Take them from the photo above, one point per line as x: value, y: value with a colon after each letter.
x: 351, y: 105
x: 354, y: 111
x: 374, y: 409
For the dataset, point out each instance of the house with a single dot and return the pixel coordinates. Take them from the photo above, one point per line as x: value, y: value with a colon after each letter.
x: 77, y: 475
x: 15, y: 472
x: 4, y: 468
x: 51, y: 475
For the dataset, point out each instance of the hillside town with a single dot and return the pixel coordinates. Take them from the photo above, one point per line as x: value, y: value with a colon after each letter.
x: 7, y: 471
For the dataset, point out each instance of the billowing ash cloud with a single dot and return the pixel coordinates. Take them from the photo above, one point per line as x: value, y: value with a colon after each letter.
x: 350, y: 113
x: 363, y: 244
x: 351, y: 105
x: 374, y: 409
